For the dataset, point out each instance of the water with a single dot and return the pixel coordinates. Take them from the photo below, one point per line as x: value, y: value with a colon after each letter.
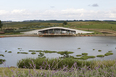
x: 87, y: 44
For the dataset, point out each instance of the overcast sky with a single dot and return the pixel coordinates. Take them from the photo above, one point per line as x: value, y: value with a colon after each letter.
x: 19, y: 10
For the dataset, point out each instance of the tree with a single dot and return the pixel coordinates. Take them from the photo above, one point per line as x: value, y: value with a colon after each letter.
x: 1, y: 24
x: 64, y: 23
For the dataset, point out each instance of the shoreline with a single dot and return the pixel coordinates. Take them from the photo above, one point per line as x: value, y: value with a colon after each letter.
x: 80, y: 35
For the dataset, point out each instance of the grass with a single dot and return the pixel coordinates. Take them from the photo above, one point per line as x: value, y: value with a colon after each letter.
x: 78, y: 55
x: 9, y: 51
x: 2, y: 60
x: 64, y: 52
x: 84, y: 53
x: 108, y: 53
x: 99, y: 50
x: 42, y: 67
x: 5, y: 50
x: 1, y: 55
x: 100, y: 55
x: 33, y: 53
x: 85, y: 57
x: 32, y: 50
x: 22, y: 52
x: 46, y: 51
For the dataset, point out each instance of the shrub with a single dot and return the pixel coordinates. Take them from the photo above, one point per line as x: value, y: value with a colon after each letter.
x: 93, y: 49
x: 109, y: 51
x: 79, y: 48
x: 100, y: 55
x: 65, y: 53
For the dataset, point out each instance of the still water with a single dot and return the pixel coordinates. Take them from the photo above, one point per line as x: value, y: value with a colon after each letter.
x: 87, y: 44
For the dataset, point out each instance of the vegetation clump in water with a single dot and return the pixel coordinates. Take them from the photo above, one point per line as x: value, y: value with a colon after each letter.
x: 100, y: 55
x: 9, y: 51
x: 108, y: 53
x: 1, y: 55
x: 84, y: 53
x: 22, y: 52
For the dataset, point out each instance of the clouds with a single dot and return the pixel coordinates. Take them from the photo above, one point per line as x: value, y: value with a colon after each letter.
x: 94, y: 5
x: 67, y: 14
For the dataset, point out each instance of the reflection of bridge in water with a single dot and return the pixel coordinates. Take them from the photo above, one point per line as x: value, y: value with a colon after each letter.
x: 59, y: 31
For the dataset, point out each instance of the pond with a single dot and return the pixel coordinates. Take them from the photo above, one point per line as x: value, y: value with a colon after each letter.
x: 78, y: 45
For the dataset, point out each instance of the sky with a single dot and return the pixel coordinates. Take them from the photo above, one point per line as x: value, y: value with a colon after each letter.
x: 19, y: 10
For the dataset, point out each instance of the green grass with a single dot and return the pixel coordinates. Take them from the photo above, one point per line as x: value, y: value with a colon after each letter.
x: 9, y: 51
x: 2, y: 60
x: 85, y: 57
x: 99, y: 50
x: 22, y: 52
x: 78, y: 55
x: 1, y: 55
x: 108, y: 53
x: 32, y: 50
x: 100, y: 55
x: 84, y: 53
x: 5, y: 50
x: 46, y: 51
x: 64, y: 52
x: 33, y: 53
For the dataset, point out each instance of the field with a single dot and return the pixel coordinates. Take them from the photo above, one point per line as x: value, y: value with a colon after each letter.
x: 99, y: 27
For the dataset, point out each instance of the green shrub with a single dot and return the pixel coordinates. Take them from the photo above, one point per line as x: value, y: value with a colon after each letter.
x: 100, y: 55
x: 84, y: 53
x: 79, y: 48
x: 9, y: 51
x: 108, y: 53
x: 93, y: 49
x: 91, y: 56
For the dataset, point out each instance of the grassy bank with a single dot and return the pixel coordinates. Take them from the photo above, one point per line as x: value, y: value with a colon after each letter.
x: 100, y: 69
